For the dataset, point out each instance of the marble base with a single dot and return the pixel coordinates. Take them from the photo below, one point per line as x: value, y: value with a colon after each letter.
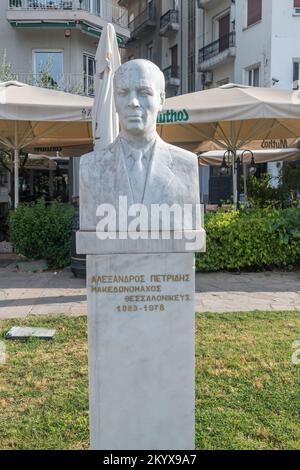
x: 88, y: 243
x: 141, y: 351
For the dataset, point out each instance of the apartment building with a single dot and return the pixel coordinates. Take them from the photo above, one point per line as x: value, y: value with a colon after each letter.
x: 252, y: 42
x: 52, y: 43
x: 202, y: 44
x: 58, y: 38
x: 217, y: 43
x: 165, y: 31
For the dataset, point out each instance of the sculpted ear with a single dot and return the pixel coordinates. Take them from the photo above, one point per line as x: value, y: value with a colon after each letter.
x: 162, y: 100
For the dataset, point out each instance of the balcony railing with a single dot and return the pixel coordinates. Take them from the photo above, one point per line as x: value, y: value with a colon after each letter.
x: 171, y: 17
x: 216, y: 47
x: 78, y: 84
x: 101, y: 8
x: 172, y: 75
x: 40, y: 4
x: 145, y: 20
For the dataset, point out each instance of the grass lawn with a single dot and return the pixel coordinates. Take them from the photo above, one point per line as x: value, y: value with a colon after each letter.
x: 247, y: 390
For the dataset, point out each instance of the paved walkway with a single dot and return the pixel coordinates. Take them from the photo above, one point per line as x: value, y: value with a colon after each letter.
x: 25, y: 293
x: 226, y: 292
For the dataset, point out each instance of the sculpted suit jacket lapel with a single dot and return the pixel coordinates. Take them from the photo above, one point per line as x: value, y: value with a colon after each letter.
x: 114, y: 164
x: 159, y: 177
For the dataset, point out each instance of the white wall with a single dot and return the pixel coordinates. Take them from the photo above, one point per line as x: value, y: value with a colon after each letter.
x: 253, y: 43
x: 224, y: 71
x: 285, y: 42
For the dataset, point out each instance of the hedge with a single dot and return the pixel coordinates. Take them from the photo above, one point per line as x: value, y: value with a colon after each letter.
x: 38, y: 230
x: 246, y: 239
x: 251, y: 239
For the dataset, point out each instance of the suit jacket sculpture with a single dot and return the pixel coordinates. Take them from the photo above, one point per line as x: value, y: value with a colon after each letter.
x: 172, y: 178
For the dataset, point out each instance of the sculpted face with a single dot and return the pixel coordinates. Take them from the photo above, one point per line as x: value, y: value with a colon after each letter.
x: 139, y: 96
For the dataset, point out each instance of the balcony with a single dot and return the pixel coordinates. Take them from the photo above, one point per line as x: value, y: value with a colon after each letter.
x: 87, y: 15
x: 169, y: 23
x: 208, y: 3
x: 217, y: 52
x: 172, y: 76
x: 78, y: 84
x: 144, y: 22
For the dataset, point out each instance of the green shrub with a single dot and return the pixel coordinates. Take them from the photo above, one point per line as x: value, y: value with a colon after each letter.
x: 251, y: 239
x: 43, y: 231
x: 261, y: 194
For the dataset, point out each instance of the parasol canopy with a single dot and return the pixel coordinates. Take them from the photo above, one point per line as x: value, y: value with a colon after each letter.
x: 33, y: 117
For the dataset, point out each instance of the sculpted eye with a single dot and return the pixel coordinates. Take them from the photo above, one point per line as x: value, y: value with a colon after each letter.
x: 122, y: 92
x: 146, y: 91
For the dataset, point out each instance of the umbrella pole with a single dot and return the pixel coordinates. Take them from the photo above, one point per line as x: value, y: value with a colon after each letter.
x: 16, y: 166
x: 238, y: 181
x: 16, y: 162
x: 245, y: 180
x: 234, y: 179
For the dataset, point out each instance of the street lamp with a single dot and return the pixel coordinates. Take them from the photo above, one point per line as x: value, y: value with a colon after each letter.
x: 225, y: 165
x: 237, y: 163
x: 252, y: 169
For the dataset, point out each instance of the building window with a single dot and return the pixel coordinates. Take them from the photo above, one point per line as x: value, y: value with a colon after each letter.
x: 93, y: 6
x: 89, y: 70
x: 253, y: 76
x: 254, y: 11
x: 296, y: 74
x: 48, y: 68
x: 174, y: 57
x: 150, y: 51
x: 224, y: 31
x: 297, y: 6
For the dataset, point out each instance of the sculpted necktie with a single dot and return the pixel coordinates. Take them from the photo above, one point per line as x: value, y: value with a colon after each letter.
x: 138, y: 175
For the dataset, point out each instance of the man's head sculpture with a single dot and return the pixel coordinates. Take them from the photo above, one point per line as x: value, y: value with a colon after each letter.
x: 139, y: 96
x: 138, y: 165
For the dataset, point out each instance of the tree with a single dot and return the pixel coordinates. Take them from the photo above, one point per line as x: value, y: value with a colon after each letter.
x: 5, y: 69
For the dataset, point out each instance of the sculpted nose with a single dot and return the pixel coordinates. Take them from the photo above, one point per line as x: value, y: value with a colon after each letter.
x: 133, y: 102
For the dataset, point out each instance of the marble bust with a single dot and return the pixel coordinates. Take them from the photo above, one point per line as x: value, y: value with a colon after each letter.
x: 138, y: 164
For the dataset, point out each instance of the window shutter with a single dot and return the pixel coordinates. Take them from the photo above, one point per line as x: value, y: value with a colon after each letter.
x: 255, y: 11
x: 296, y: 71
x: 296, y: 3
x: 296, y: 76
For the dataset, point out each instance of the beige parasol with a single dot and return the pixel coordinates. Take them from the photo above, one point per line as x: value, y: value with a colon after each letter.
x: 33, y: 117
x: 215, y: 157
x: 231, y: 116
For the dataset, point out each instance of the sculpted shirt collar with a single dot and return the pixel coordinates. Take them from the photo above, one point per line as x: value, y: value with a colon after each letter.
x: 128, y: 149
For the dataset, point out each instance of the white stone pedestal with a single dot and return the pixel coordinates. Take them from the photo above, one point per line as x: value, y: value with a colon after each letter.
x: 141, y: 350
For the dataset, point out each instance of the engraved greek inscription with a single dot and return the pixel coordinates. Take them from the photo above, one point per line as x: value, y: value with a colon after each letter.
x: 142, y: 293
